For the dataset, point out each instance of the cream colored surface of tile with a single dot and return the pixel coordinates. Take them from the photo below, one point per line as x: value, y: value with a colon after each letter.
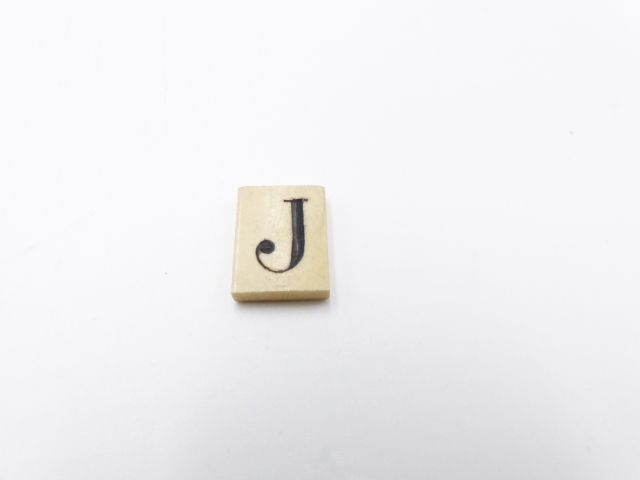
x: 264, y: 214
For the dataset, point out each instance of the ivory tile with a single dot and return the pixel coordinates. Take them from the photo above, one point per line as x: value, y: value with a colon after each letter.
x: 281, y: 244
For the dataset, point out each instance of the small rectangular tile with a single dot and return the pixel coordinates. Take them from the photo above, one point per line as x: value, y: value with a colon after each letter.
x: 281, y: 244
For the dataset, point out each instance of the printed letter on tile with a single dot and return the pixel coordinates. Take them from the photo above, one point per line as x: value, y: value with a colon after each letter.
x: 281, y: 244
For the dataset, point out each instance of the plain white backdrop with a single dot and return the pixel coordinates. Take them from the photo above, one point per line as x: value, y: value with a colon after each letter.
x: 482, y: 167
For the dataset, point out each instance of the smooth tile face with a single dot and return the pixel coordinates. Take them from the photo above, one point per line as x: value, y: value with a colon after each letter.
x: 281, y: 244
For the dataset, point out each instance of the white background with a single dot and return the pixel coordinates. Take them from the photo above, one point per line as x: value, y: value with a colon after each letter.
x: 482, y: 167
